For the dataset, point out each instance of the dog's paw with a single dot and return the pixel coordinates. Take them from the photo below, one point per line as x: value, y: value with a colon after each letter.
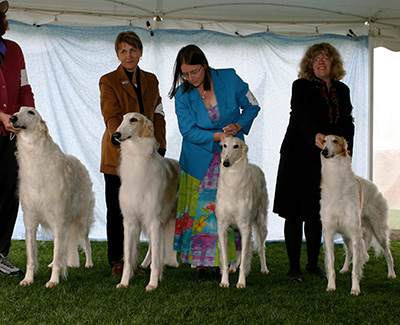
x: 51, y: 284
x: 265, y: 271
x: 240, y: 285
x: 355, y: 292
x: 150, y: 288
x: 25, y: 282
x: 89, y: 265
x: 224, y: 284
x: 120, y: 285
x: 343, y: 271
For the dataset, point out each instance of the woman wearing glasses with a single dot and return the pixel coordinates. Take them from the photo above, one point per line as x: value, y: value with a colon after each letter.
x: 320, y: 105
x: 209, y: 103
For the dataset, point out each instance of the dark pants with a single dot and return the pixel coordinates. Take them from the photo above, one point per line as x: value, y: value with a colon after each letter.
x: 115, y: 226
x: 8, y: 192
x: 294, y: 237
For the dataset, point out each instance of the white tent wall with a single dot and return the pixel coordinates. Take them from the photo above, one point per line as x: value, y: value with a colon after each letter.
x: 64, y: 64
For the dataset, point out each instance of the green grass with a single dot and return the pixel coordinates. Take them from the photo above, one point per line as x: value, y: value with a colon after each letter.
x: 89, y: 296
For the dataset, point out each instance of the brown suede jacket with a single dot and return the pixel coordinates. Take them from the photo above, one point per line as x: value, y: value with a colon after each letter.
x: 117, y: 97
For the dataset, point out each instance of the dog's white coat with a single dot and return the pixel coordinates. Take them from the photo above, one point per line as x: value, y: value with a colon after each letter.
x: 242, y: 202
x: 353, y: 207
x: 55, y: 191
x: 148, y: 197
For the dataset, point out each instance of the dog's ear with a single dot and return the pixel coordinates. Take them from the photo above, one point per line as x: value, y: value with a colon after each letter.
x: 245, y: 149
x: 42, y: 127
x: 345, y: 147
x: 148, y: 129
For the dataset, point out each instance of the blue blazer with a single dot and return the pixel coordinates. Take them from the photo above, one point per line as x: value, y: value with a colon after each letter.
x: 236, y: 105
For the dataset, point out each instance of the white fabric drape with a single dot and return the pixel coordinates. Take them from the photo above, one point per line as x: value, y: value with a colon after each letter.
x: 64, y: 65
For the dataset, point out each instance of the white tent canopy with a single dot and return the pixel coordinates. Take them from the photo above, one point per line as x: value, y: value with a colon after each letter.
x: 379, y: 19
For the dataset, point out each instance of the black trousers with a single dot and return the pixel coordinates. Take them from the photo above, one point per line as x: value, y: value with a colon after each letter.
x: 293, y: 239
x: 9, y: 202
x: 115, y: 226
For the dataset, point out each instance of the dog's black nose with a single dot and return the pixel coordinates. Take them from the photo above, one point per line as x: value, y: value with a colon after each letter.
x: 226, y: 163
x: 325, y: 152
x: 116, y: 138
x: 13, y: 119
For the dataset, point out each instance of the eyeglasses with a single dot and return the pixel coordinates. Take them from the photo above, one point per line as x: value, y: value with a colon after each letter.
x: 325, y: 58
x: 192, y: 73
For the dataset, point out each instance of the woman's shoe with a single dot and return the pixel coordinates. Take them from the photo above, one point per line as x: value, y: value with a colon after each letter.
x: 201, y: 273
x: 316, y: 270
x: 294, y: 276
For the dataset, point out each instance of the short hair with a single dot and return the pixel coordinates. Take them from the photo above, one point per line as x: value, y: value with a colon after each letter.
x: 306, y: 64
x: 130, y: 38
x: 3, y: 23
x: 192, y: 55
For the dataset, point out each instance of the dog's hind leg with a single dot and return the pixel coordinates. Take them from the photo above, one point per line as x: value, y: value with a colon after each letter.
x: 381, y: 235
x: 329, y: 259
x: 223, y: 253
x: 73, y: 255
x: 131, y: 242
x: 245, y: 231
x: 260, y: 232
x: 87, y: 248
x: 170, y: 254
x: 349, y: 254
x: 157, y: 239
x: 31, y: 251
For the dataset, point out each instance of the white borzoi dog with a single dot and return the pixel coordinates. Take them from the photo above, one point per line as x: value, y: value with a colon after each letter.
x: 242, y: 202
x: 148, y: 197
x: 55, y: 191
x: 353, y: 207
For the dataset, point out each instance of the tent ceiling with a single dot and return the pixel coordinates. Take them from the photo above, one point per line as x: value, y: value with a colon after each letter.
x: 294, y: 17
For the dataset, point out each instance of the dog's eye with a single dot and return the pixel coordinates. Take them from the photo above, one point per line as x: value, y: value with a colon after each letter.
x: 225, y: 145
x: 31, y: 112
x: 236, y: 146
x: 335, y: 141
x: 133, y: 120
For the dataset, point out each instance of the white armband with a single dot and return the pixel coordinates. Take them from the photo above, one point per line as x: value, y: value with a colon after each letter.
x: 251, y: 98
x: 24, y: 78
x: 159, y: 109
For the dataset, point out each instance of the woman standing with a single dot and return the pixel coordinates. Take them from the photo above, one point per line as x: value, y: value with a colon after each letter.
x: 320, y: 105
x: 127, y: 89
x: 15, y: 92
x: 209, y: 104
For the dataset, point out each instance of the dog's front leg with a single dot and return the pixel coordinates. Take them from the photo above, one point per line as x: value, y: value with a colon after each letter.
x: 131, y: 240
x: 157, y: 256
x: 31, y: 252
x: 223, y: 253
x: 329, y: 259
x: 245, y: 232
x: 358, y: 263
x: 60, y: 252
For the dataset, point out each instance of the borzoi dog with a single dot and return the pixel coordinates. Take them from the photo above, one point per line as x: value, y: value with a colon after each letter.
x: 242, y: 202
x: 148, y: 196
x: 354, y: 207
x: 55, y: 191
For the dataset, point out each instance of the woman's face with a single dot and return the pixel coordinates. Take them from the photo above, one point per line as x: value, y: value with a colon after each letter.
x: 129, y: 56
x: 322, y: 65
x: 194, y: 74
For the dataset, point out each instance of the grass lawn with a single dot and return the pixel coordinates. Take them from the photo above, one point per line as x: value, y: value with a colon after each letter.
x: 89, y: 296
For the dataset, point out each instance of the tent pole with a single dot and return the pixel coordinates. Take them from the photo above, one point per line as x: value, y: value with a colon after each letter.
x: 371, y: 110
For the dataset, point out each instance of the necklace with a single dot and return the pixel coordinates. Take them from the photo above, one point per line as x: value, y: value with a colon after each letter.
x: 204, y: 94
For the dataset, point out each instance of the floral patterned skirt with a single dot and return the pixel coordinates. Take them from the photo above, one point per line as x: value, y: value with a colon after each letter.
x: 196, y: 224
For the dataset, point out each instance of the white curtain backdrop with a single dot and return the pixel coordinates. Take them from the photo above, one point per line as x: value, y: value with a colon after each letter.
x: 65, y: 64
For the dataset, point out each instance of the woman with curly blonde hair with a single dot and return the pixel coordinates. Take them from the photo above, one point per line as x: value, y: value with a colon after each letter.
x: 320, y: 105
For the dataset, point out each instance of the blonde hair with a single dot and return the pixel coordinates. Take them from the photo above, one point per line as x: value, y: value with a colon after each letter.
x: 306, y: 64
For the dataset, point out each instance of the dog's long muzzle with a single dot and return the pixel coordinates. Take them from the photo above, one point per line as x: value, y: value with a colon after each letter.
x: 325, y: 153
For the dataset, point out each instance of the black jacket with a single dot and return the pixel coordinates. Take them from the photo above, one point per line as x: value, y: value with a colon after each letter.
x: 297, y: 191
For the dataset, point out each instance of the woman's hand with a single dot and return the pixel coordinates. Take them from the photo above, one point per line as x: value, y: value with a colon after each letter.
x: 5, y: 120
x: 232, y: 129
x: 319, y: 140
x: 218, y: 136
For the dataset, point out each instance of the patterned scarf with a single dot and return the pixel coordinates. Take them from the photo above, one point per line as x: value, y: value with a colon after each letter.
x: 332, y: 99
x: 3, y: 48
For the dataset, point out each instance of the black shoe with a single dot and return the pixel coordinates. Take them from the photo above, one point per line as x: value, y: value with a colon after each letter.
x: 201, y: 273
x: 7, y: 268
x: 216, y: 273
x: 294, y: 276
x: 316, y: 270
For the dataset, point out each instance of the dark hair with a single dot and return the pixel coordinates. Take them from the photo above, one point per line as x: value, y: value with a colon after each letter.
x: 306, y: 64
x: 192, y: 55
x: 130, y: 38
x: 3, y: 23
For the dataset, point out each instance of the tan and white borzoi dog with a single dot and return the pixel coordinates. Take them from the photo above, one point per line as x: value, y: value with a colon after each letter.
x: 242, y: 202
x: 354, y: 207
x: 55, y: 191
x: 148, y: 197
